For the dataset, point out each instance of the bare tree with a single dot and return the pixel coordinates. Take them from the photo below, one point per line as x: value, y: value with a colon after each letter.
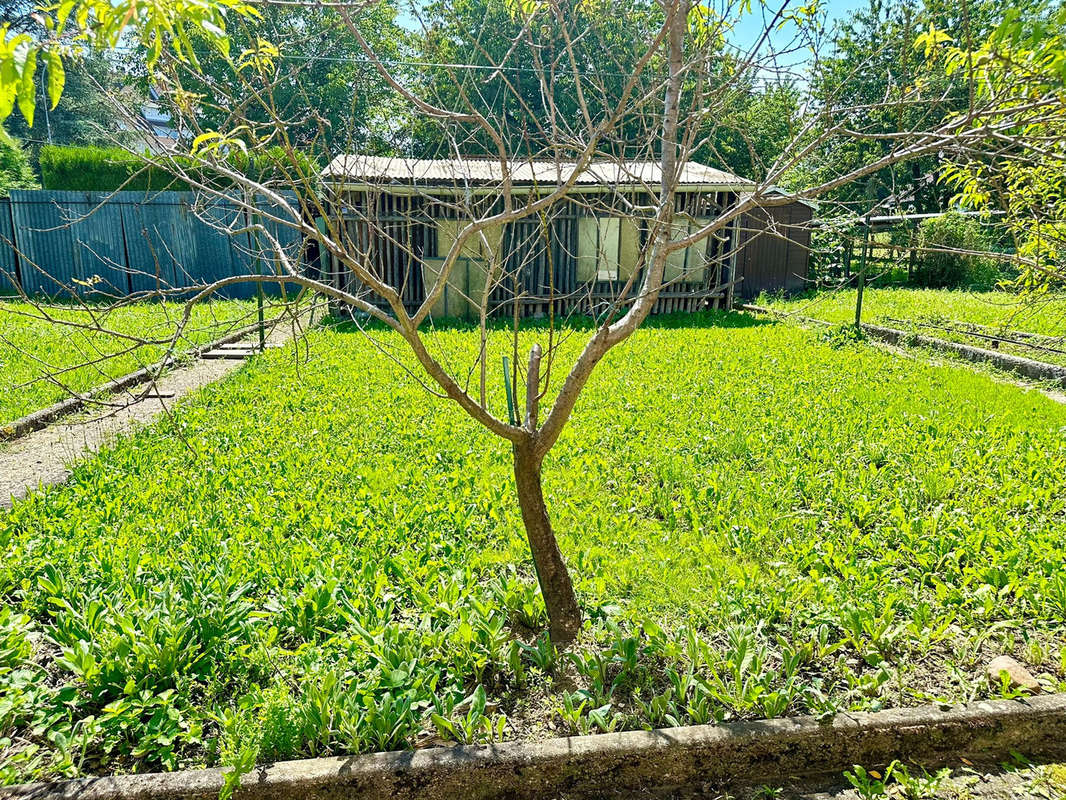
x: 546, y: 205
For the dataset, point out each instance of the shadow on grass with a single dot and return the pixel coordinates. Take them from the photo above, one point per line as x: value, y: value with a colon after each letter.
x: 676, y: 321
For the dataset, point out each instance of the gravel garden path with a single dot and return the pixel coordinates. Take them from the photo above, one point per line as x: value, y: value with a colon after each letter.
x: 43, y: 458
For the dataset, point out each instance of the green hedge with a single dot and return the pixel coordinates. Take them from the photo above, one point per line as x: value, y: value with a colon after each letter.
x: 15, y: 169
x: 101, y: 169
x: 106, y: 169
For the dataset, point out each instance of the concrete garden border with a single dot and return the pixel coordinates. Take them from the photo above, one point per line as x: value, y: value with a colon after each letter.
x: 734, y: 753
x: 44, y: 417
x: 1026, y: 367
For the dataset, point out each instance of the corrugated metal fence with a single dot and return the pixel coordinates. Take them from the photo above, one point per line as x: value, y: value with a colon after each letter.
x: 59, y: 243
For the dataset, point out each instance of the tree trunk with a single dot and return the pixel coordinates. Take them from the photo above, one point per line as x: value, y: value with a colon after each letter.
x: 564, y: 614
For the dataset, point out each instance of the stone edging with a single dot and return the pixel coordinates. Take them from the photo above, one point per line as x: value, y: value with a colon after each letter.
x: 1026, y: 367
x: 732, y: 753
x: 44, y: 417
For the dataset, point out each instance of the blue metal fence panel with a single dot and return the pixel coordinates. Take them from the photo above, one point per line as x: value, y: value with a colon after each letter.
x: 8, y: 259
x: 44, y: 241
x: 218, y: 223
x: 100, y: 247
x: 95, y: 244
x: 158, y: 243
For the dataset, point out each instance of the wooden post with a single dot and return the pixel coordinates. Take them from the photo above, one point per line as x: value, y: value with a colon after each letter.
x: 912, y: 256
x: 862, y: 276
x: 259, y: 284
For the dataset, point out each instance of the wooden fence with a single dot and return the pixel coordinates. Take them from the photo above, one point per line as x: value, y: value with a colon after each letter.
x: 97, y: 245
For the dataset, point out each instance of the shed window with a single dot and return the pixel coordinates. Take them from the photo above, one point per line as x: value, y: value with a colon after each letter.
x: 689, y: 264
x: 598, y: 244
x: 608, y: 248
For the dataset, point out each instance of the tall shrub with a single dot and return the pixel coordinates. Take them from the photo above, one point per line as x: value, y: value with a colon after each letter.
x: 101, y: 169
x: 15, y: 169
x: 948, y: 258
x: 107, y: 169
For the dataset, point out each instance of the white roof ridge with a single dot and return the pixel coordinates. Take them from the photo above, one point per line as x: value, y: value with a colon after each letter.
x: 366, y: 168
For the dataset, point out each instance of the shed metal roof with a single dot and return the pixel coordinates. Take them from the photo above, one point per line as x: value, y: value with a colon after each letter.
x: 363, y: 169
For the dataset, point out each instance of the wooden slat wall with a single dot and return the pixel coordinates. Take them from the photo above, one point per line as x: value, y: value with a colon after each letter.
x: 389, y: 234
x: 540, y: 267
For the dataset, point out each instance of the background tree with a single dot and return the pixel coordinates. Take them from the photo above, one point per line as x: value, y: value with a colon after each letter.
x: 874, y: 69
x: 754, y: 132
x: 92, y: 81
x: 1021, y: 176
x: 325, y: 87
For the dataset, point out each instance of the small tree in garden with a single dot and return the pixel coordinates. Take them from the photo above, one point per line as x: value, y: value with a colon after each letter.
x: 950, y: 256
x: 590, y: 89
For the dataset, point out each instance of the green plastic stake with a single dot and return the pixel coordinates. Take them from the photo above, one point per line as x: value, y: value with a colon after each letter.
x: 507, y: 389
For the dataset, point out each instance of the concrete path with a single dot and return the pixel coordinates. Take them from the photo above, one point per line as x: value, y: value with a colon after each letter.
x: 42, y: 458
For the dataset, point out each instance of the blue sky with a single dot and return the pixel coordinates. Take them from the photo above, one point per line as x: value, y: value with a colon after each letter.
x: 751, y: 26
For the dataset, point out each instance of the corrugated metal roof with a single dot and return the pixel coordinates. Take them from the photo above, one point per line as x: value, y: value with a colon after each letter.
x: 380, y: 169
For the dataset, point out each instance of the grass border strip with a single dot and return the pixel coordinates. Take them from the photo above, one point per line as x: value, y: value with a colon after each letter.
x: 43, y: 417
x: 732, y: 753
x: 1026, y: 367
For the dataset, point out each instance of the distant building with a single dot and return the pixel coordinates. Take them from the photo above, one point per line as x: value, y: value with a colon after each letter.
x: 154, y: 128
x: 402, y: 214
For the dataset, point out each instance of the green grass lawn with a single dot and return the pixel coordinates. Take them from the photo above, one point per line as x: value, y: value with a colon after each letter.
x: 317, y: 557
x: 42, y: 362
x: 945, y: 314
x: 1045, y: 316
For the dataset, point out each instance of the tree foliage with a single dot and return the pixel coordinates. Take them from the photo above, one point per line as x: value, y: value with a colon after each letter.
x: 889, y: 87
x: 1021, y: 172
x: 949, y: 258
x: 85, y: 114
x: 15, y: 169
x: 319, y: 82
x: 754, y: 132
x: 469, y: 46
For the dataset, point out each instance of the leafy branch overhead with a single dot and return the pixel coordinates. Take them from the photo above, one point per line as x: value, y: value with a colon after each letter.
x: 74, y: 26
x: 1020, y: 171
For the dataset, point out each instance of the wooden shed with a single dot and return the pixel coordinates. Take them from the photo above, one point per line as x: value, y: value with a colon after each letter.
x: 774, y: 249
x: 402, y: 216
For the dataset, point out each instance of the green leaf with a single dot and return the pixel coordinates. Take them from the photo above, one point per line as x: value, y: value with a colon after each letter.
x: 8, y: 87
x: 56, y: 76
x: 444, y: 726
x: 27, y: 89
x: 63, y: 12
x: 477, y: 707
